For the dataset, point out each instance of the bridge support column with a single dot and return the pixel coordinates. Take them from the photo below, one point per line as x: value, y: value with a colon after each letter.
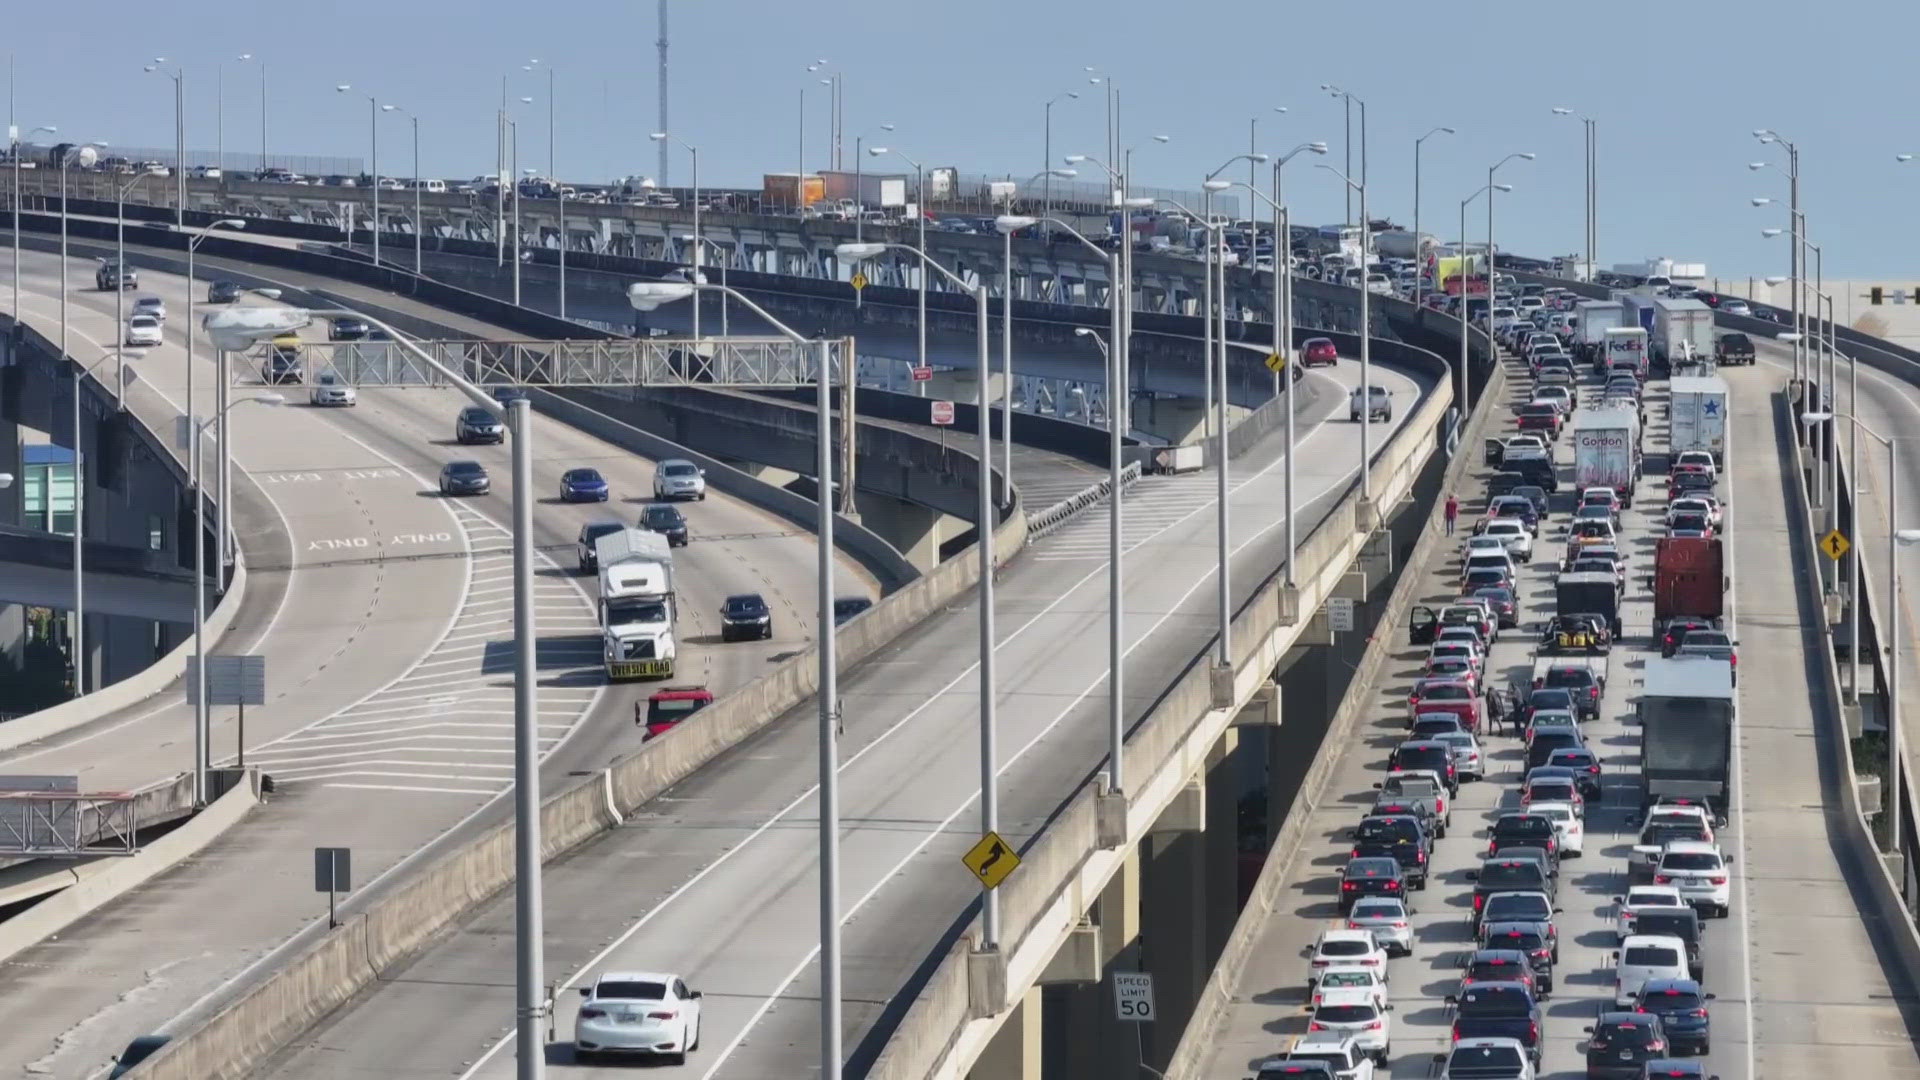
x: 915, y: 530
x: 1084, y: 1038
x: 1014, y: 1052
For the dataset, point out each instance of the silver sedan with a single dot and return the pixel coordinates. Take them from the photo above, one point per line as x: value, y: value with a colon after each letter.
x: 1466, y: 754
x: 1386, y: 919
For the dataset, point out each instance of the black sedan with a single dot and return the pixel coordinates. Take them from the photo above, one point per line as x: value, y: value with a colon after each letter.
x: 667, y: 521
x: 223, y: 292
x: 464, y: 478
x: 1371, y: 876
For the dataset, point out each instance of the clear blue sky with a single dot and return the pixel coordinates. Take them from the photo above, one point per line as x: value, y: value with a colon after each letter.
x: 1676, y: 89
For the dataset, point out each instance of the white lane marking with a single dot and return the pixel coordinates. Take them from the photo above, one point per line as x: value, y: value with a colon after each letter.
x: 809, y: 793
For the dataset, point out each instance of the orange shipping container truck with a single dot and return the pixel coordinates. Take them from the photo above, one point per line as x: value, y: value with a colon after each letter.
x: 791, y: 191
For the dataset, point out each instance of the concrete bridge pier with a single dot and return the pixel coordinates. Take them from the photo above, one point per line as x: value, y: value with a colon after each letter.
x: 1084, y: 1039
x: 915, y: 531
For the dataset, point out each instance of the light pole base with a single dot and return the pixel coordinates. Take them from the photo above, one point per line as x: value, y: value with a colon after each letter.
x: 1835, y: 606
x: 1363, y: 516
x: 1110, y: 817
x: 1896, y: 865
x: 1289, y: 605
x: 986, y: 982
x: 1220, y: 681
x: 1078, y: 961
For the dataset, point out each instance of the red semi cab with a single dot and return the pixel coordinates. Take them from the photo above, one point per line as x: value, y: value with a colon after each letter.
x: 1689, y: 578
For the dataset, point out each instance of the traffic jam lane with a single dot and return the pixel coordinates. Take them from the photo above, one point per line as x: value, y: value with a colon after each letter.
x: 1441, y: 913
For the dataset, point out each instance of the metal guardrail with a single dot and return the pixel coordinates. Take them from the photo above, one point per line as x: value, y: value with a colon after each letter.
x: 744, y: 363
x: 1042, y: 522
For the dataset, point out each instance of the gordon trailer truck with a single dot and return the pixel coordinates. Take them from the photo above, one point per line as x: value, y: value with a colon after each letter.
x: 1606, y: 449
x: 636, y: 604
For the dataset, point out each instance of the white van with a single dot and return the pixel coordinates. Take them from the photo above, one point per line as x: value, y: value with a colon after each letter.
x: 431, y: 187
x: 1643, y: 957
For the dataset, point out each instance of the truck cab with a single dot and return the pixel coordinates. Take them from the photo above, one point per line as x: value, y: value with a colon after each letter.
x: 637, y: 604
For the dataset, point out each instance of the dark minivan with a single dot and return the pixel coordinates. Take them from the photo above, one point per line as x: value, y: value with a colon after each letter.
x: 1500, y: 874
x: 1522, y: 830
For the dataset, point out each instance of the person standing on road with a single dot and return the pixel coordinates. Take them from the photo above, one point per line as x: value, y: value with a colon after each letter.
x: 1452, y: 512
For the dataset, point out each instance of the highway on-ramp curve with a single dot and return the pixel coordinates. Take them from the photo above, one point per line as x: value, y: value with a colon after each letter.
x: 1800, y: 989
x: 717, y: 880
x: 384, y: 611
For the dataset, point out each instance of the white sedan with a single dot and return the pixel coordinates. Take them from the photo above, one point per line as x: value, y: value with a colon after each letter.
x: 329, y: 390
x: 638, y: 1013
x: 143, y: 330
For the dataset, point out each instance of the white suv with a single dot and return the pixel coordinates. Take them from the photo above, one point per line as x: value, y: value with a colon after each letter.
x: 1512, y: 532
x: 1700, y: 872
x: 1358, y: 1014
x: 1340, y: 1053
x: 679, y: 479
x: 1380, y: 405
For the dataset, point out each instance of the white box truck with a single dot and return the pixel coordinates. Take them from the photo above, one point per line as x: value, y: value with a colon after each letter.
x: 1682, y: 332
x: 1627, y: 345
x: 1699, y: 411
x: 1592, y: 320
x: 1606, y: 449
x: 636, y: 604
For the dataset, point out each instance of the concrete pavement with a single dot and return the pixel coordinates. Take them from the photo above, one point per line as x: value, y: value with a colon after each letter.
x: 391, y: 631
x: 726, y: 893
x: 1798, y: 983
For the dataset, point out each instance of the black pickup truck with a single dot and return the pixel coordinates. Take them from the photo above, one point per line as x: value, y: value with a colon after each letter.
x: 1733, y: 348
x: 1498, y: 1010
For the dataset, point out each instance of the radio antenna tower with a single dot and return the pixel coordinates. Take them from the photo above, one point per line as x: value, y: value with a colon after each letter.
x: 662, y: 44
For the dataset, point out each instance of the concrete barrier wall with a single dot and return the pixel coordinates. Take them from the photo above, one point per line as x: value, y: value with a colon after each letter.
x: 291, y: 999
x: 1882, y: 901
x: 108, y: 879
x: 1163, y: 749
x: 1197, y: 1041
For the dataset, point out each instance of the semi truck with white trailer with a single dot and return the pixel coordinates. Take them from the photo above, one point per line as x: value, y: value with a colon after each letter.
x: 1682, y: 331
x: 1687, y: 711
x: 1592, y: 320
x: 1699, y: 414
x: 1606, y: 449
x: 637, y: 604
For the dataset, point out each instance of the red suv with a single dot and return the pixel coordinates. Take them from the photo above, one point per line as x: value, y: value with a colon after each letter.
x: 1318, y: 352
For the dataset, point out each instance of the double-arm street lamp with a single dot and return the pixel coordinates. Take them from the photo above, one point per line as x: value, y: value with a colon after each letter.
x: 919, y: 198
x: 1419, y: 258
x: 419, y: 223
x: 1007, y: 230
x: 646, y: 296
x: 664, y: 137
x: 1366, y: 335
x: 373, y: 164
x: 15, y: 207
x: 1464, y: 392
x: 1283, y: 314
x: 983, y: 537
x: 1592, y: 184
x: 1467, y: 399
x: 1350, y: 101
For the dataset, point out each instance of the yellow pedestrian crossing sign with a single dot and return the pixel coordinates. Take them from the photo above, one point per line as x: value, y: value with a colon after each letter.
x: 991, y: 860
x: 1834, y: 545
x: 859, y: 281
x: 1276, y: 362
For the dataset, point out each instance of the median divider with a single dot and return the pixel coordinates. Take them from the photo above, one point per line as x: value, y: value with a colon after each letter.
x: 1042, y: 522
x: 236, y: 1038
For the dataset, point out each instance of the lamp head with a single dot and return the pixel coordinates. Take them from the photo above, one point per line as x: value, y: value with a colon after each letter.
x: 1527, y: 157
x: 244, y: 56
x: 1756, y: 166
x: 238, y: 329
x: 657, y: 136
x: 1216, y: 185
x: 876, y: 151
x: 1562, y: 110
x: 6, y: 480
x: 1137, y: 203
x: 1258, y: 159
x: 340, y: 88
x: 1903, y: 157
x: 648, y: 295
x: 1064, y: 174
x: 1078, y: 331
x: 1775, y: 280
x: 388, y: 108
x: 1906, y: 537
x: 1074, y: 159
x: 1074, y: 94
x: 268, y: 399
x: 1163, y: 138
x: 1769, y: 233
x: 1008, y: 224
x: 1503, y: 187
x: 857, y: 252
x: 1449, y: 131
x: 1789, y: 336
x: 1760, y: 200
x: 1317, y: 147
x: 228, y: 223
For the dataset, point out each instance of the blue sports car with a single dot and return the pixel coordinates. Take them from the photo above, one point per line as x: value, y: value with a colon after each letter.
x: 583, y: 485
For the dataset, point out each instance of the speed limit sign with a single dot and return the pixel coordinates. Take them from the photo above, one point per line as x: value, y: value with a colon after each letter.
x: 1133, y: 996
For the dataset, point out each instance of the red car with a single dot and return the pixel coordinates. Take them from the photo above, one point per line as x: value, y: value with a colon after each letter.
x: 667, y: 708
x: 1454, y: 696
x: 1319, y: 352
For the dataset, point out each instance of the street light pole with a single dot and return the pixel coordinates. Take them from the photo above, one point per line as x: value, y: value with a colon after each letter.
x: 919, y: 197
x: 1419, y: 269
x: 1366, y: 339
x: 16, y: 213
x: 1467, y: 398
x: 989, y: 786
x: 86, y: 153
x: 646, y: 296
x: 694, y: 153
x: 1046, y: 158
x: 1464, y: 393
